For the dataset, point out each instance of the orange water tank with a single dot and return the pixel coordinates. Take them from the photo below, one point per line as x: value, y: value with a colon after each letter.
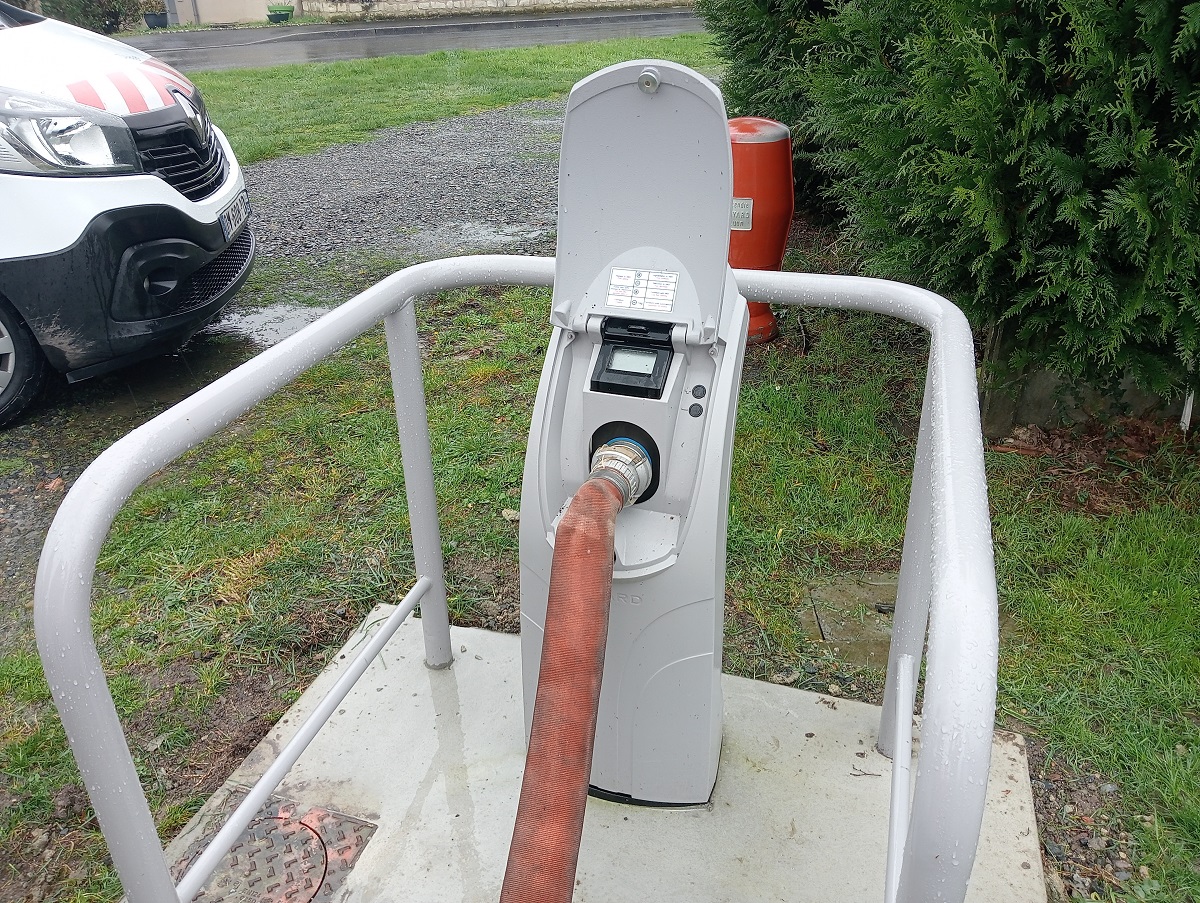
x: 763, y: 203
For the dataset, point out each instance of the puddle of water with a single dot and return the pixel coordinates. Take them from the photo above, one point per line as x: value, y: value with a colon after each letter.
x: 264, y: 326
x: 133, y: 394
x: 848, y: 617
x: 144, y: 389
x: 457, y: 237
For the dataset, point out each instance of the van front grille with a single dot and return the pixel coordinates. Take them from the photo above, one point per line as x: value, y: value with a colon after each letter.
x: 177, y: 157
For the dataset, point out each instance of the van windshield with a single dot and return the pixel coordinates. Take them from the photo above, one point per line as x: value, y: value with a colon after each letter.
x: 12, y: 16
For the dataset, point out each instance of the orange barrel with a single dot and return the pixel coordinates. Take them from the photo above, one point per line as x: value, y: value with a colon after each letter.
x: 763, y: 202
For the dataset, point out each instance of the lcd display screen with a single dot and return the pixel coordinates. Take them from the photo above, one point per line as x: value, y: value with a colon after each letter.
x: 631, y: 360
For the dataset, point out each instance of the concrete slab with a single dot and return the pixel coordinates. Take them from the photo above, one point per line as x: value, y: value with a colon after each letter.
x: 434, y: 760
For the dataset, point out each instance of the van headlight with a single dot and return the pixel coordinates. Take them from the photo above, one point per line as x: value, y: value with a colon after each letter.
x: 56, y: 137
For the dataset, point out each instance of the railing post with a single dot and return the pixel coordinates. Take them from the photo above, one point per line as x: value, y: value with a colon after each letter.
x: 412, y: 419
x: 958, y: 712
x: 62, y: 617
x: 948, y: 584
x: 906, y: 680
x: 62, y: 595
x: 916, y: 581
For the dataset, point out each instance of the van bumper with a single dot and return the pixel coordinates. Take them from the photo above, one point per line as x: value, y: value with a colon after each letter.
x: 139, y: 281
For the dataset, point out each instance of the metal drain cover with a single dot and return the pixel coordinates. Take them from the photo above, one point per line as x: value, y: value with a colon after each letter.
x: 285, y: 854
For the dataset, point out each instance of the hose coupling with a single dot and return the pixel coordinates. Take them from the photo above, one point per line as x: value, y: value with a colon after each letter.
x: 625, y: 464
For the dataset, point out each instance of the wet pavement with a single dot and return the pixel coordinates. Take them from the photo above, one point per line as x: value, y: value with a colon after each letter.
x: 235, y: 48
x: 261, y: 327
x: 130, y: 396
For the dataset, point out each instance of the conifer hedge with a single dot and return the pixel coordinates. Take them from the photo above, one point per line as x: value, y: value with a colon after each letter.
x: 104, y: 16
x: 764, y: 44
x: 1035, y: 160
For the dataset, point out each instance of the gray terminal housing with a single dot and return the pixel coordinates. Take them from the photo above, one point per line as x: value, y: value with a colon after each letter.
x: 648, y: 338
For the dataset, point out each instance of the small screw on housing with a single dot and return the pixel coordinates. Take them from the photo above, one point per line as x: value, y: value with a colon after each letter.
x: 648, y: 80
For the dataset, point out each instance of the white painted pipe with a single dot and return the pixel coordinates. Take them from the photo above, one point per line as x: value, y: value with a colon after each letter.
x: 954, y: 545
x: 62, y: 594
x: 203, y: 867
x: 901, y: 767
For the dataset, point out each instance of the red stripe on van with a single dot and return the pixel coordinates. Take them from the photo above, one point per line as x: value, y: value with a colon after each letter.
x: 171, y: 74
x: 129, y: 92
x: 160, y: 85
x: 85, y: 94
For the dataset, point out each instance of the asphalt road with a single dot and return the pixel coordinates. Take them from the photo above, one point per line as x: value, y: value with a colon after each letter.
x: 235, y: 48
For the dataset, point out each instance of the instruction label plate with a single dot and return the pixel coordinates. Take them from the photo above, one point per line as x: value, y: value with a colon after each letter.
x: 742, y: 215
x: 642, y: 289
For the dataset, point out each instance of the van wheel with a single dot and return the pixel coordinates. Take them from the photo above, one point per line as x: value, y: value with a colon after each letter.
x: 23, y: 367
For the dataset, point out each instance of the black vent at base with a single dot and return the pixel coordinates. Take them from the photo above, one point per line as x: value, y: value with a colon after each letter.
x: 219, y: 273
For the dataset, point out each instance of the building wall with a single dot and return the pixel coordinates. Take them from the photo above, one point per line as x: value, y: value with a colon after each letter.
x: 221, y: 11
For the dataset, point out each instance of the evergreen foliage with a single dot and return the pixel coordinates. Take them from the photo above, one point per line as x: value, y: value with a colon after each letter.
x: 761, y: 41
x: 1034, y: 160
x: 103, y: 16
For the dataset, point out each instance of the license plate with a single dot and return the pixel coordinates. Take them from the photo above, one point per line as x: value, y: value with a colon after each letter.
x: 235, y: 215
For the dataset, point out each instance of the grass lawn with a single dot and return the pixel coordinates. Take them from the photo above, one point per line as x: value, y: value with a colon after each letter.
x: 230, y: 577
x: 303, y: 108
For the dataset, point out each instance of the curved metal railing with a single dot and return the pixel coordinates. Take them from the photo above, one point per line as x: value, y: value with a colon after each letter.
x: 947, y: 583
x: 947, y: 579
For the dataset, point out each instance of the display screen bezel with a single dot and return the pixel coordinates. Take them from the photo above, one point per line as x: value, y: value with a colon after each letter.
x: 614, y: 381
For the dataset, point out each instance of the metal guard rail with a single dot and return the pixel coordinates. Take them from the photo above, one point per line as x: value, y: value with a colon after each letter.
x: 947, y: 578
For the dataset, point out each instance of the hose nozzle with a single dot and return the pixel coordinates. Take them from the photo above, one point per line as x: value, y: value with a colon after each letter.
x: 625, y: 464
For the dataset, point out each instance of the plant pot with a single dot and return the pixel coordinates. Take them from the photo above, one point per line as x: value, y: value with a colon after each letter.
x: 155, y: 20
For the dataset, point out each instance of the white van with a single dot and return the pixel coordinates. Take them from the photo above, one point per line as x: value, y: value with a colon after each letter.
x: 123, y: 212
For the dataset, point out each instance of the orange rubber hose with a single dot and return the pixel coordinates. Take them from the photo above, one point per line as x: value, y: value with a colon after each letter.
x: 545, y: 847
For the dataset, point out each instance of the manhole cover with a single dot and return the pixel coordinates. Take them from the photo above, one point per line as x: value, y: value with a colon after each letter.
x: 285, y: 854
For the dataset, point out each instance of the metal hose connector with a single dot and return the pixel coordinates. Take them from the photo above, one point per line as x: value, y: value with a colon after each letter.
x: 625, y: 464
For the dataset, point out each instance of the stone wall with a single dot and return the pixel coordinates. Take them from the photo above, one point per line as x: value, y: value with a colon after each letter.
x: 1034, y: 397
x: 402, y: 8
x: 235, y: 11
x: 221, y: 11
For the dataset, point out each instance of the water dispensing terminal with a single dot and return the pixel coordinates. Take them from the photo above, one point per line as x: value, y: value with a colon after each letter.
x: 695, y: 785
x: 649, y: 334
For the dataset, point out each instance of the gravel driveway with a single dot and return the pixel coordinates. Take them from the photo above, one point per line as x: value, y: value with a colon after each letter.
x: 483, y: 182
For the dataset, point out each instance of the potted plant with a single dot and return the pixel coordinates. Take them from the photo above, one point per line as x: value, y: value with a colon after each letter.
x: 278, y: 12
x: 155, y: 13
